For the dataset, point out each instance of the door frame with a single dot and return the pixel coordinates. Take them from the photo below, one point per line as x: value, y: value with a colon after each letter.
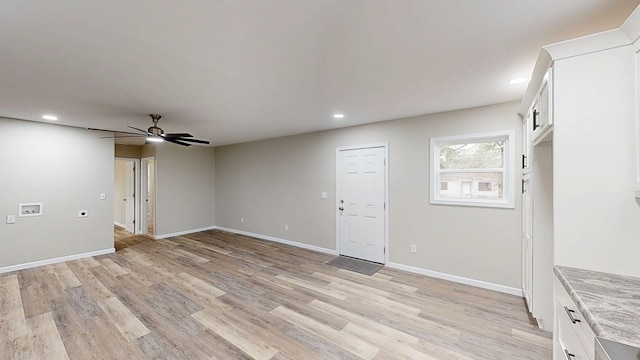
x: 136, y: 189
x: 143, y: 190
x: 385, y: 146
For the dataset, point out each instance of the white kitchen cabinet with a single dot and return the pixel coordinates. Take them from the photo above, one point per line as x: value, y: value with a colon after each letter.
x: 584, y: 170
x: 573, y: 338
x: 526, y: 160
x: 537, y: 195
x: 542, y: 110
x: 527, y: 248
x: 636, y: 54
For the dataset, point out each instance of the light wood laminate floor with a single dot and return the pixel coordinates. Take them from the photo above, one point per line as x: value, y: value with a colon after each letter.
x: 215, y: 295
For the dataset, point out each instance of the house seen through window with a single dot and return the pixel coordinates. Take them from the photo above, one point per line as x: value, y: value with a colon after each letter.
x: 472, y: 170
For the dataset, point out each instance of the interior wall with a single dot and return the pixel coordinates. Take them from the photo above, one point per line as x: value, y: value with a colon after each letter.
x: 118, y: 192
x: 66, y: 169
x: 279, y: 181
x: 185, y: 188
x: 596, y: 216
x: 129, y: 151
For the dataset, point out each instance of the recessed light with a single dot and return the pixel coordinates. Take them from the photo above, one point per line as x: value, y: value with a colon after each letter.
x: 338, y: 116
x: 50, y: 117
x: 519, y: 80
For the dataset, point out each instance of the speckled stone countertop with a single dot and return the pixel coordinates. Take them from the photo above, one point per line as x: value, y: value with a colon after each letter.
x: 609, y: 303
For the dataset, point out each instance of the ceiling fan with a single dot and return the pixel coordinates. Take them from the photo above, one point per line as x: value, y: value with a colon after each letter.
x: 156, y: 134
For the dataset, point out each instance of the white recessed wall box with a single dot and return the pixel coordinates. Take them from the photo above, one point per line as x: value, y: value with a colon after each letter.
x: 30, y: 209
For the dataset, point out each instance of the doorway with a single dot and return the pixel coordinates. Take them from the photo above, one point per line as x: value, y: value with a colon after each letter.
x: 125, y: 186
x: 361, y: 217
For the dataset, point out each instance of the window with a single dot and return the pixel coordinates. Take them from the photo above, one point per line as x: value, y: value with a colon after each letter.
x: 473, y: 170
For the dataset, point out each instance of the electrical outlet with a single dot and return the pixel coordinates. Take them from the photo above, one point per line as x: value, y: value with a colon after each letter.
x: 286, y: 227
x: 83, y: 213
x: 103, y: 196
x: 11, y: 219
x: 241, y: 219
x: 413, y: 249
x: 323, y: 195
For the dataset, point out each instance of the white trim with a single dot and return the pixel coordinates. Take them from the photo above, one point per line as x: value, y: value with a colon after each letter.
x: 185, y: 232
x: 33, y: 264
x: 631, y: 26
x: 118, y: 224
x: 592, y: 43
x: 385, y: 146
x: 281, y: 241
x: 458, y: 279
x: 137, y: 205
x: 509, y: 165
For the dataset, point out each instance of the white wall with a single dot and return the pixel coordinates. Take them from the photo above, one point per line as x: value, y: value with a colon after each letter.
x: 279, y: 181
x: 596, y: 217
x: 185, y: 188
x: 66, y: 169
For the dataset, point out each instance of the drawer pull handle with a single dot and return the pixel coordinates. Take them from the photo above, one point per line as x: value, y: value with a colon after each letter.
x: 570, y: 315
x: 568, y: 355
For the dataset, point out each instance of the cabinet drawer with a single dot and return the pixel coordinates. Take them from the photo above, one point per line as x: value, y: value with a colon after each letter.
x: 568, y: 314
x: 568, y: 346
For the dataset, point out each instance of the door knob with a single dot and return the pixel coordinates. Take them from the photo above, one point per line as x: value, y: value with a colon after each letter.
x: 340, y: 208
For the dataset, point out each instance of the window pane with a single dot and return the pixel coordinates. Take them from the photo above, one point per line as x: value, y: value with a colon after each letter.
x: 472, y: 155
x: 487, y: 185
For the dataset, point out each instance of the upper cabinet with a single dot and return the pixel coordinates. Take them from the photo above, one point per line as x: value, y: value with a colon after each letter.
x: 542, y: 110
x: 537, y: 123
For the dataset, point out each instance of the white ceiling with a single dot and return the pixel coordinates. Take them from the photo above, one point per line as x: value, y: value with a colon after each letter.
x: 240, y: 70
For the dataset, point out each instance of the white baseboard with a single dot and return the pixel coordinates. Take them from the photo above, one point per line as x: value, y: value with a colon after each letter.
x: 281, y: 241
x: 458, y: 279
x: 164, y: 236
x: 33, y: 264
x: 118, y: 224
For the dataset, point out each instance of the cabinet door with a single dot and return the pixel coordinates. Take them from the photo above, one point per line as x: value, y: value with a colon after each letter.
x: 542, y: 114
x: 526, y: 159
x: 527, y: 245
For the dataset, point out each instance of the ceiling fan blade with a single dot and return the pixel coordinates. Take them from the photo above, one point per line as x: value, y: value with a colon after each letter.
x: 142, y: 131
x: 175, y: 141
x: 191, y: 140
x: 177, y: 135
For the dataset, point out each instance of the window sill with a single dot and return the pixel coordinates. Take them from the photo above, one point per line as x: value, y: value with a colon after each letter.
x: 479, y: 203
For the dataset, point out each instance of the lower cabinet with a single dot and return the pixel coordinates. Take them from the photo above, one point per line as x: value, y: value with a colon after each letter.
x: 573, y: 338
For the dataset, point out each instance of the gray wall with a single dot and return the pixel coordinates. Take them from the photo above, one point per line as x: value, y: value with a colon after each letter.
x: 185, y: 188
x: 66, y: 169
x: 279, y: 181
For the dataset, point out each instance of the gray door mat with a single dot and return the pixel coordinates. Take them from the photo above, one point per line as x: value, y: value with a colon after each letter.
x: 353, y: 264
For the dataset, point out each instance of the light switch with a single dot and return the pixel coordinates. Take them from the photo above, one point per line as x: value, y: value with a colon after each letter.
x: 323, y: 195
x: 103, y: 196
x: 11, y: 219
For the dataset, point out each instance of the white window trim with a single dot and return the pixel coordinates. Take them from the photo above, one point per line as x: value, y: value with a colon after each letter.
x: 509, y: 181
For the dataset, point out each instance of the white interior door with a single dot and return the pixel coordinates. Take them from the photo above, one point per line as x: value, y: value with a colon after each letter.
x: 361, y: 203
x: 129, y: 196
